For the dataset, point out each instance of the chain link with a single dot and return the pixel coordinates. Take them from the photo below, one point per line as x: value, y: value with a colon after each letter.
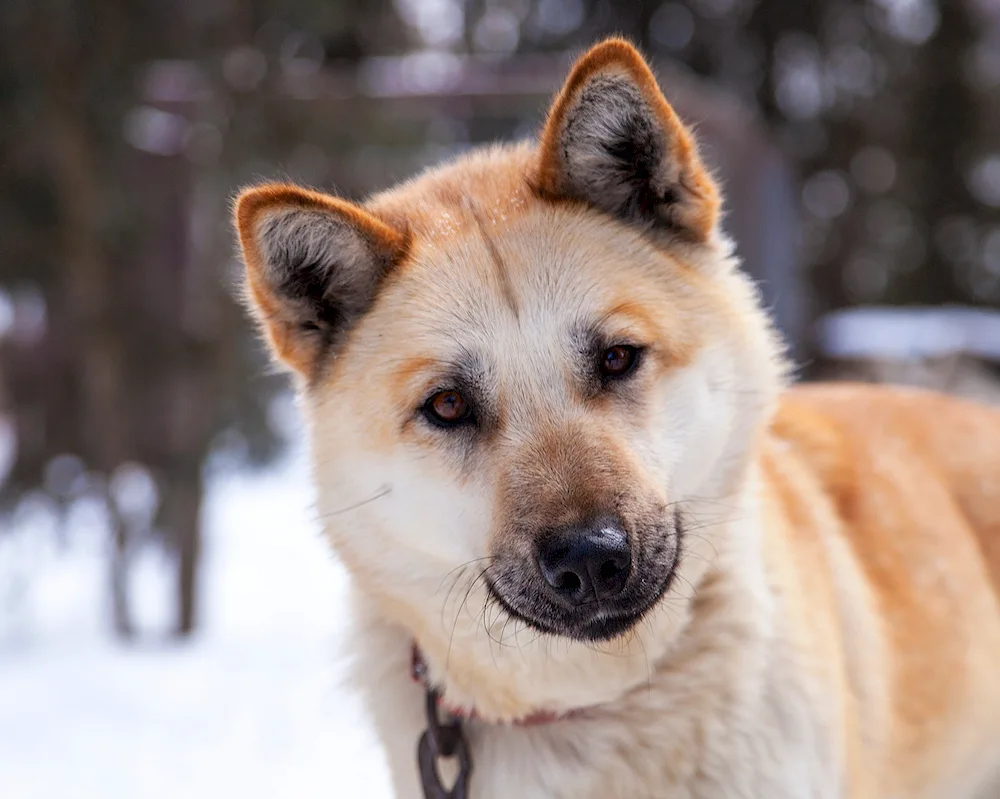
x: 442, y: 741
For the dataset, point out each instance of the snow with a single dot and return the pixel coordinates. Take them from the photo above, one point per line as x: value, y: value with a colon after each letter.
x: 910, y: 332
x: 253, y: 706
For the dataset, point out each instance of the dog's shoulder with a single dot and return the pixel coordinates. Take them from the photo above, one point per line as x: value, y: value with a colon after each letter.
x: 892, y: 452
x: 852, y: 434
x: 905, y: 485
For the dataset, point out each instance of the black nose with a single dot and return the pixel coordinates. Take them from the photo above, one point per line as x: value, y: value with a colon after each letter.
x: 586, y: 562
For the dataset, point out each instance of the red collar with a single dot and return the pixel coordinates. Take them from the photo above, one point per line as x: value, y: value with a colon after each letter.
x: 418, y: 671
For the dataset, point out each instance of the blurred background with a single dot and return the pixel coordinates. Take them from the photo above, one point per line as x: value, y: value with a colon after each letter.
x: 169, y: 617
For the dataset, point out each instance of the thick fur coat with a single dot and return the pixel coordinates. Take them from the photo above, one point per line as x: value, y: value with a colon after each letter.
x: 539, y: 335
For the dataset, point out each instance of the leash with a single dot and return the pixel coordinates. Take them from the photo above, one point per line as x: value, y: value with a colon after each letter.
x: 442, y: 741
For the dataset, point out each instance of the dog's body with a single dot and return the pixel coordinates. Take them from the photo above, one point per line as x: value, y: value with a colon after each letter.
x: 553, y: 447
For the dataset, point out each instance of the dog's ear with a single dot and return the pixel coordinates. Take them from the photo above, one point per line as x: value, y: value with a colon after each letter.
x: 313, y: 265
x: 612, y: 140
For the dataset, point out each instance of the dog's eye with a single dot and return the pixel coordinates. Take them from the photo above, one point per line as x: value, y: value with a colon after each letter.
x: 618, y: 361
x: 447, y: 408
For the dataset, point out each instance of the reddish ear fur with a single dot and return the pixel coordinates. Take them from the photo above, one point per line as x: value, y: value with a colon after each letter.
x: 683, y: 182
x: 313, y: 262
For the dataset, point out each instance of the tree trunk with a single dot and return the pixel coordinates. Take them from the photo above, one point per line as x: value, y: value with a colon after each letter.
x: 182, y: 517
x: 120, y: 609
x: 83, y: 322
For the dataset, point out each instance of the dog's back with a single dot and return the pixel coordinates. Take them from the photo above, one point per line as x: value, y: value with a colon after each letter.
x: 895, y: 495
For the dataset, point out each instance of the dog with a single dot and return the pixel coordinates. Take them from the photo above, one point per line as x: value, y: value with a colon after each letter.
x: 555, y: 444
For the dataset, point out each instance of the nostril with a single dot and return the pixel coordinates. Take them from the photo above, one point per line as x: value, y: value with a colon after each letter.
x: 610, y: 570
x: 568, y: 582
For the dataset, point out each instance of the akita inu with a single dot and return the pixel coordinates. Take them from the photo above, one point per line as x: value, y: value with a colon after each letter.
x: 554, y: 447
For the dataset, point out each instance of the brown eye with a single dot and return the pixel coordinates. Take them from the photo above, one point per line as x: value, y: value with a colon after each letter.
x: 447, y: 408
x: 618, y: 361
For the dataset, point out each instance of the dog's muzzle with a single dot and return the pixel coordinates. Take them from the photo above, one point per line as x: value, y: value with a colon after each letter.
x: 589, y: 581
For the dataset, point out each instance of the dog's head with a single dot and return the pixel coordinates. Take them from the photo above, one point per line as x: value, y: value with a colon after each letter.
x: 532, y: 378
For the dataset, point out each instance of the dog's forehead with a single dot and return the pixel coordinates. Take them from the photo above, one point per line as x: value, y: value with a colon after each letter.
x: 445, y: 222
x: 523, y: 263
x: 494, y: 296
x: 486, y: 248
x: 510, y: 278
x: 509, y: 284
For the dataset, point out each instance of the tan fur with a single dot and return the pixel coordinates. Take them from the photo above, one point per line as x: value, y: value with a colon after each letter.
x: 833, y: 628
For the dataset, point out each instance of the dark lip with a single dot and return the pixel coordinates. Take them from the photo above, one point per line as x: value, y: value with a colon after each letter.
x: 599, y: 629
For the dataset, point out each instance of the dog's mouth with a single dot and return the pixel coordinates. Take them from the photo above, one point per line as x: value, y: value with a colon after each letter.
x: 598, y: 620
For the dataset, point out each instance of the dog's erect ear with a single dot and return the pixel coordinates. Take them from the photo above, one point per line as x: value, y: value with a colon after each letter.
x: 314, y: 263
x: 612, y: 140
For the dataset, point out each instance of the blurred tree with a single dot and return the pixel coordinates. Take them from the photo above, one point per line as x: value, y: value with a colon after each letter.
x: 890, y: 110
x: 126, y: 363
x: 126, y: 356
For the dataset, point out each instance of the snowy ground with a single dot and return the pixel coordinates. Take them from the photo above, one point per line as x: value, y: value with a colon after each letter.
x: 251, y: 708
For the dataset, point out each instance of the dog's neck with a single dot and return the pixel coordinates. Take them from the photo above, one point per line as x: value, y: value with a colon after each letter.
x: 735, y: 610
x: 419, y: 674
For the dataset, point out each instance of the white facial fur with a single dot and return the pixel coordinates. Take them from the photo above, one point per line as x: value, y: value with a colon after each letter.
x: 413, y: 516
